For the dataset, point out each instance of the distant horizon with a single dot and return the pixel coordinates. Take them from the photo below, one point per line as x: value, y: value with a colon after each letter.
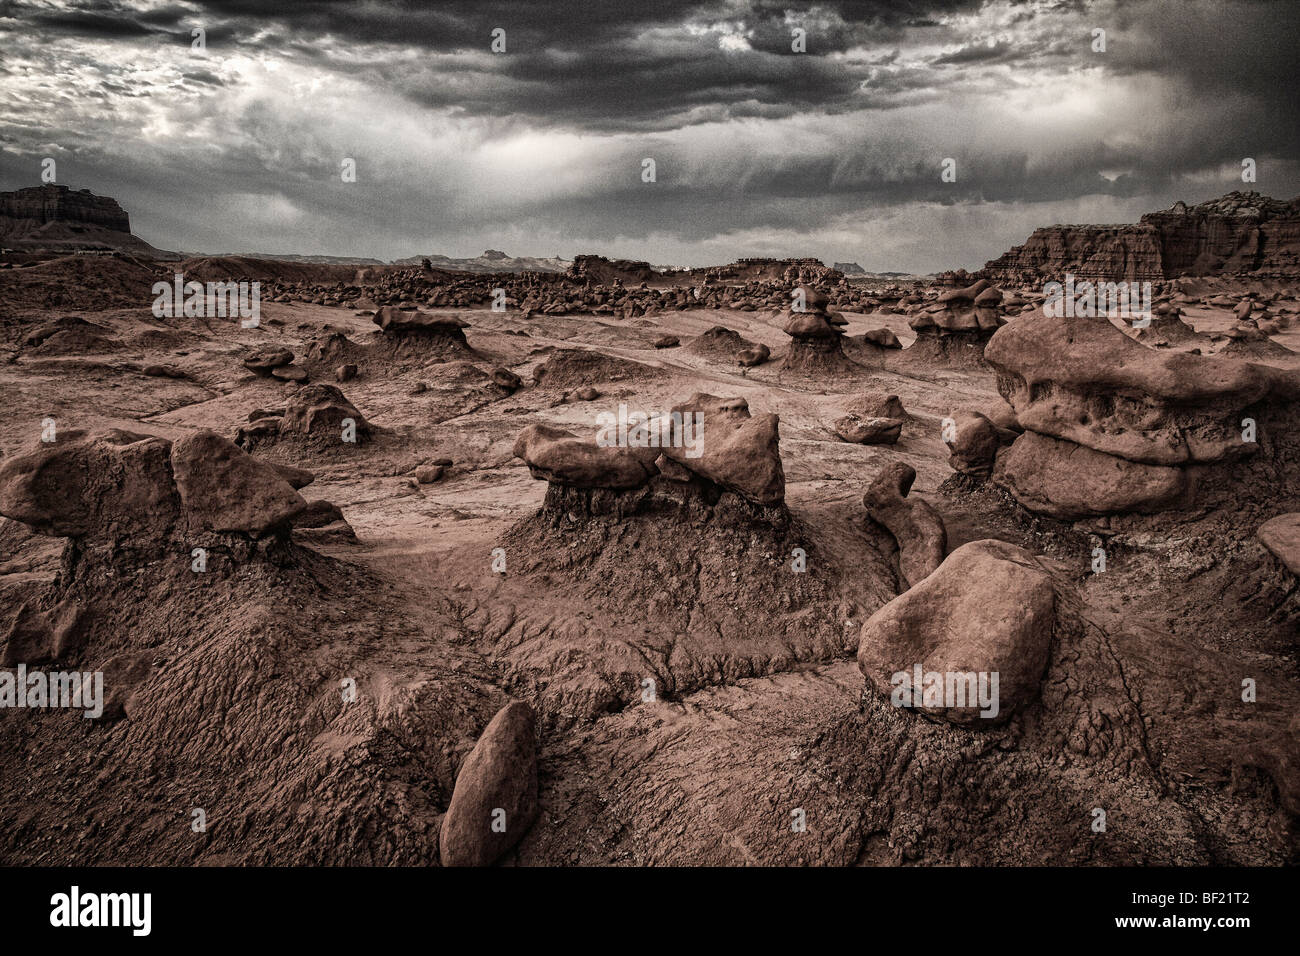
x: 375, y: 260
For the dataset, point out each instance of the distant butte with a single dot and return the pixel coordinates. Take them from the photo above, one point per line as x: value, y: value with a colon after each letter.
x: 1240, y: 233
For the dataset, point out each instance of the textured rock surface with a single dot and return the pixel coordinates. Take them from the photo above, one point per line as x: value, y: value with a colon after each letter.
x: 1240, y: 232
x: 1084, y: 380
x: 988, y: 608
x: 497, y: 784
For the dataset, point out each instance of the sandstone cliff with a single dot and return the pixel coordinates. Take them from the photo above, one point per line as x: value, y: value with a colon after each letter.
x: 1242, y: 232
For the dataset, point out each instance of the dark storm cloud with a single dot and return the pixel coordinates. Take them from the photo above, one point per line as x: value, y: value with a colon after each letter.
x: 458, y: 145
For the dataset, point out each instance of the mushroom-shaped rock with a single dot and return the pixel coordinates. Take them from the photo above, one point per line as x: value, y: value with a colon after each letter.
x: 224, y: 489
x: 732, y: 449
x: 989, y: 609
x: 494, y: 801
x: 916, y: 526
x: 1083, y: 380
x: 563, y: 458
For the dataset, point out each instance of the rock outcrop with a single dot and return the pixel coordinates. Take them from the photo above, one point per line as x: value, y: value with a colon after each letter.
x: 1112, y: 426
x: 127, y: 490
x: 1242, y: 232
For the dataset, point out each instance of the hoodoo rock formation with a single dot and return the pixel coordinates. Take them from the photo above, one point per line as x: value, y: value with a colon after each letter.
x: 954, y: 329
x: 1113, y: 426
x: 1242, y: 232
x: 815, y: 332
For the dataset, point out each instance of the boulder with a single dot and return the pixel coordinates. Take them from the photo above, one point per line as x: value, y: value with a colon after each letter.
x: 497, y: 784
x: 111, y: 485
x: 317, y: 412
x: 1084, y: 380
x: 990, y: 609
x: 739, y: 452
x: 975, y: 442
x: 563, y: 458
x: 1063, y: 480
x: 224, y: 489
x: 869, y: 431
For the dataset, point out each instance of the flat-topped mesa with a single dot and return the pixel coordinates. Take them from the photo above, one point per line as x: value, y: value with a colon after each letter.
x: 815, y: 332
x: 55, y: 203
x: 122, y: 492
x: 1112, y: 426
x: 704, y: 448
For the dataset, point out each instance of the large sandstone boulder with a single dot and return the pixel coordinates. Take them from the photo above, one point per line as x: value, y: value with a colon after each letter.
x: 494, y: 801
x: 737, y: 451
x: 111, y: 485
x: 224, y: 489
x: 1083, y: 380
x: 1068, y: 481
x: 122, y: 487
x: 989, y: 609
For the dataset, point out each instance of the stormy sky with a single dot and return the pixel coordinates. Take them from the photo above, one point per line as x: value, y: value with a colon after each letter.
x: 836, y: 152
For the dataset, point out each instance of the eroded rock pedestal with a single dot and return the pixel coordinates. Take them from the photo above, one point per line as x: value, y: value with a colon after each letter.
x: 1113, y: 427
